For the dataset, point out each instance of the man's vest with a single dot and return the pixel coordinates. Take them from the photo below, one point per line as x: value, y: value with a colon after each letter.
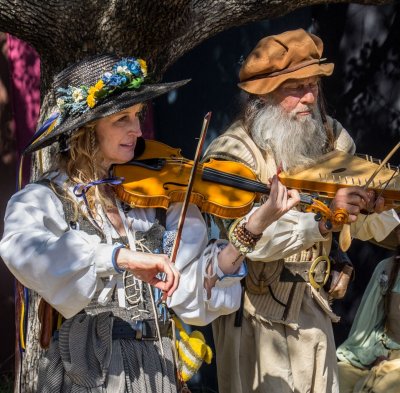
x: 269, y: 295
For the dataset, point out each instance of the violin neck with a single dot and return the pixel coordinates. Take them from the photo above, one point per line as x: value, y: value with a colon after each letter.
x: 235, y: 181
x: 243, y: 183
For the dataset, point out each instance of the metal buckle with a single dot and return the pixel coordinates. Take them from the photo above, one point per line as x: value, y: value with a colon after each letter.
x: 138, y: 330
x: 311, y: 272
x: 146, y: 331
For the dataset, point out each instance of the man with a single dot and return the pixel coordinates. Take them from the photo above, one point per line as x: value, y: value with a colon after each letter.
x: 284, y: 342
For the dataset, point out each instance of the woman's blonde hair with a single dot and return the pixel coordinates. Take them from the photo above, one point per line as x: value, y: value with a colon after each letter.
x: 81, y: 163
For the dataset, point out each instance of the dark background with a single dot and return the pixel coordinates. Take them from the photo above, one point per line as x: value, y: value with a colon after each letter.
x: 363, y: 94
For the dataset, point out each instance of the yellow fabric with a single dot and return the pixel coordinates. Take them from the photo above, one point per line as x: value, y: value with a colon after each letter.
x: 383, y: 378
x: 192, y: 351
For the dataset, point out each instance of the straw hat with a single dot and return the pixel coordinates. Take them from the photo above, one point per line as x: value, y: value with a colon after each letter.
x: 294, y: 54
x: 94, y: 88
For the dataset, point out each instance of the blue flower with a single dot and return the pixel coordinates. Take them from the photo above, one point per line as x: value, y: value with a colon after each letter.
x: 106, y: 77
x: 117, y: 80
x: 128, y: 65
x: 134, y: 66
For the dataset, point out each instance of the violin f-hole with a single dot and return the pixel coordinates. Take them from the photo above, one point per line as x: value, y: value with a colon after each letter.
x: 165, y: 186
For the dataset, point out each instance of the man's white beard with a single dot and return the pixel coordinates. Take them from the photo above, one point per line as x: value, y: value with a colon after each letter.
x: 295, y: 142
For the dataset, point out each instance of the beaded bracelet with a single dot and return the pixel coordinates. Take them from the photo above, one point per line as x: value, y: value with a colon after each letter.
x: 241, y: 238
x: 245, y: 236
x: 114, y: 255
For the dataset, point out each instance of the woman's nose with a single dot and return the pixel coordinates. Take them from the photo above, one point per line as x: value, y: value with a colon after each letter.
x: 138, y: 131
x: 135, y: 128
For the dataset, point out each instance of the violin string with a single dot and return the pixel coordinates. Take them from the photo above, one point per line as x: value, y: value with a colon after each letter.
x: 227, y: 176
x: 249, y: 184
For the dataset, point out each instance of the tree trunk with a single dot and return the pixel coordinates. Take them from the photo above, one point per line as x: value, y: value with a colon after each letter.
x: 160, y: 31
x: 33, y: 352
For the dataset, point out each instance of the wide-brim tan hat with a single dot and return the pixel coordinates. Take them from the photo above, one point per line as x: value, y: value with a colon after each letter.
x: 294, y: 54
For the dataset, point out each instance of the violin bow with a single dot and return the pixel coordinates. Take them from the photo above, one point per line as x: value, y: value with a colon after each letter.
x: 345, y: 238
x: 186, y: 201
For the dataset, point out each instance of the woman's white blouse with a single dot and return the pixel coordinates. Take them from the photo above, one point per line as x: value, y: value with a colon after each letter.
x: 63, y: 265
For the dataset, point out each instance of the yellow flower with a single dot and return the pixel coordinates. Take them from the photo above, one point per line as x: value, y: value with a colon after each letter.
x: 94, y: 89
x: 91, y: 101
x: 99, y: 85
x: 143, y: 66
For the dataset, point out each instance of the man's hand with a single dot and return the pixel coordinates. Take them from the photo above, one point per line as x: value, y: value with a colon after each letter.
x: 146, y: 267
x: 354, y: 200
x: 376, y: 204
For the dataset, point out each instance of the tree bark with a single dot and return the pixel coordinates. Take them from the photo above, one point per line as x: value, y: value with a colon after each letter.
x: 160, y: 31
x: 30, y: 361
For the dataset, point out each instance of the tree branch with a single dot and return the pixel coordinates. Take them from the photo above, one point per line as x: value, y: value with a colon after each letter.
x: 213, y: 17
x: 160, y: 31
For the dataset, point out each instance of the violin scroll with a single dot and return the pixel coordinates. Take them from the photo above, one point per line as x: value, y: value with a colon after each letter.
x: 338, y: 217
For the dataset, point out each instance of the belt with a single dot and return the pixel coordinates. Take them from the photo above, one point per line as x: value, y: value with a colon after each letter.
x: 315, y: 272
x: 139, y: 330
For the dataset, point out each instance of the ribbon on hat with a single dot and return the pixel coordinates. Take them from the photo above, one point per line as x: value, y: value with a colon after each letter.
x: 46, y: 127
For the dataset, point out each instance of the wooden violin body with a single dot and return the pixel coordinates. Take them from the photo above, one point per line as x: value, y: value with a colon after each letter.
x: 228, y: 189
x: 337, y: 169
x: 160, y: 176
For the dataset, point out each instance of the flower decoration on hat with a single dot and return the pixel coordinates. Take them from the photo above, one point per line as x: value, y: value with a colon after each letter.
x: 129, y: 73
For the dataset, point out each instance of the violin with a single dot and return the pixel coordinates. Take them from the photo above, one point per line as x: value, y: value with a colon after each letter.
x: 338, y: 169
x: 226, y: 189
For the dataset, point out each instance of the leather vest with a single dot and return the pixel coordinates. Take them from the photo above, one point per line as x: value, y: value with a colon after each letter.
x: 266, y: 297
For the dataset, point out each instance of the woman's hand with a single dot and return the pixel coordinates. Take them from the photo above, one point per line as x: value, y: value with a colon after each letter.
x: 146, y: 267
x: 280, y: 201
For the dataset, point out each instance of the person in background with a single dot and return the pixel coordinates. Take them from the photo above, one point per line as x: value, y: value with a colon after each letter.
x: 369, y: 360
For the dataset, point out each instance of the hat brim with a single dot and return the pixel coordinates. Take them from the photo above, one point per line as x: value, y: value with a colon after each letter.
x: 268, y: 84
x: 112, y: 104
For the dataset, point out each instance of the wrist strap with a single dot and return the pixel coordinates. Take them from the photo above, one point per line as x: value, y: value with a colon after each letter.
x: 117, y: 246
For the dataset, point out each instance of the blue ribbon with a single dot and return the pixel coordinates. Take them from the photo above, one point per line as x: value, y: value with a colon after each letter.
x: 81, y: 189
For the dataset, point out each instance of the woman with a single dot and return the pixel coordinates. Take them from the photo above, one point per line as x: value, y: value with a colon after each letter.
x: 90, y: 256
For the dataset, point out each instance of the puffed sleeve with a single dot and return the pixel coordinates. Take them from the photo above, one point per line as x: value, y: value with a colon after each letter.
x: 38, y: 247
x: 190, y: 300
x: 293, y: 232
x: 375, y: 226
